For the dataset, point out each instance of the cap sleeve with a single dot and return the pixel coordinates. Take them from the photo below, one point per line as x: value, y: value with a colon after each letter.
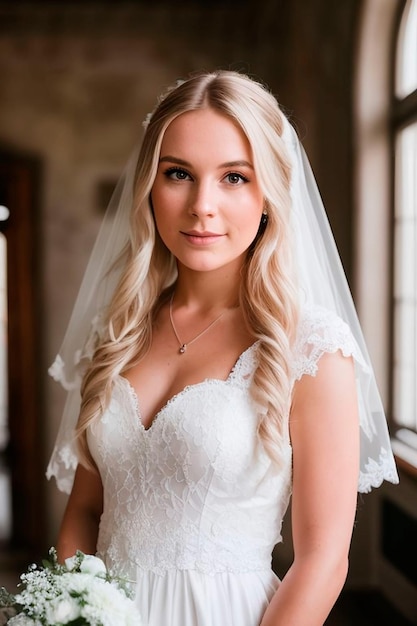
x: 322, y: 331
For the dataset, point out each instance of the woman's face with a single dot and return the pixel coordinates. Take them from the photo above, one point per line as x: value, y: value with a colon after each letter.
x: 206, y: 198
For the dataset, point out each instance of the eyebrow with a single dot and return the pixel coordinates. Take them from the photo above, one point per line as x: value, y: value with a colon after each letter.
x: 238, y: 163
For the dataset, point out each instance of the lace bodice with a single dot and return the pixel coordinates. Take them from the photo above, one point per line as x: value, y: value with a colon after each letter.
x: 194, y: 491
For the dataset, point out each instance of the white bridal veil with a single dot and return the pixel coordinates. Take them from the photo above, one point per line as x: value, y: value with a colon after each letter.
x: 323, y: 284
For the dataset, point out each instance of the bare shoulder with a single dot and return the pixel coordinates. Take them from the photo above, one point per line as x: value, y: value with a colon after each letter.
x: 333, y: 381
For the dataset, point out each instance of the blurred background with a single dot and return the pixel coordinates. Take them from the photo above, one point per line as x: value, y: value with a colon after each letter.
x: 76, y: 81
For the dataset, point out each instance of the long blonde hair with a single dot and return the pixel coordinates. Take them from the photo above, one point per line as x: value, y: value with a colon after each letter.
x: 268, y: 294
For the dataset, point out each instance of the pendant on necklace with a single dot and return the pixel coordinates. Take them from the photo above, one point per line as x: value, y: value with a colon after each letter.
x: 183, y: 348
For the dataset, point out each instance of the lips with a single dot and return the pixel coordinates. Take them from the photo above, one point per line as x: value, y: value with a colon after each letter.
x: 200, y: 233
x: 201, y: 238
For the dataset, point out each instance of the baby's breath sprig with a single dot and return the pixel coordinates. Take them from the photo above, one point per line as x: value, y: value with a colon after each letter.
x: 79, y: 592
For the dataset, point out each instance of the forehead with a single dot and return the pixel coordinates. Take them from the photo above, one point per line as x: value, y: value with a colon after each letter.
x: 205, y: 129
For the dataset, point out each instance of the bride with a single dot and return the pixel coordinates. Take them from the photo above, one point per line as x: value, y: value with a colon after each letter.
x: 215, y: 367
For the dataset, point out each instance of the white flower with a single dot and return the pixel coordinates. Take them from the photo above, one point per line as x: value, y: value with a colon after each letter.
x: 81, y: 591
x: 71, y: 563
x: 109, y: 605
x: 145, y: 125
x: 62, y: 610
x: 75, y: 582
x: 89, y: 564
x: 93, y: 565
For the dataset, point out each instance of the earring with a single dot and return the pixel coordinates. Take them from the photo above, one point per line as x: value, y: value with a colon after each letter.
x: 264, y: 218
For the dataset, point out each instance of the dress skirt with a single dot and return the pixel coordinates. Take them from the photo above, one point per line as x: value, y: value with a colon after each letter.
x: 192, y: 598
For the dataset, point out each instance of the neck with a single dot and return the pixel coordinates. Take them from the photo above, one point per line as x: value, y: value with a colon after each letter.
x: 207, y: 290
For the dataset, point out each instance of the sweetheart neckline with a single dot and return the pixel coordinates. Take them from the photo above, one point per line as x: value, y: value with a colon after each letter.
x: 135, y: 398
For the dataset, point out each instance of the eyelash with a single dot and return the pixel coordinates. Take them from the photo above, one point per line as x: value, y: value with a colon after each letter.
x: 176, y: 170
x: 243, y: 178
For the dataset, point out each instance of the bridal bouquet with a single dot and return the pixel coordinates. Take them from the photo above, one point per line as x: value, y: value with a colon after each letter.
x: 79, y: 593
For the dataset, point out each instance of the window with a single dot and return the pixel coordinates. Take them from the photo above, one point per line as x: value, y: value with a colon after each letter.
x: 406, y: 71
x: 404, y: 109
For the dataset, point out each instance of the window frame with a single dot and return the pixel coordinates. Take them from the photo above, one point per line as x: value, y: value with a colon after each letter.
x: 403, y: 112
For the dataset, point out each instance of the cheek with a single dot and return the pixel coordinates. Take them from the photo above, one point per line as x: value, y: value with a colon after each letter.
x: 251, y: 223
x: 161, y: 206
x: 249, y: 213
x: 166, y: 201
x: 161, y: 222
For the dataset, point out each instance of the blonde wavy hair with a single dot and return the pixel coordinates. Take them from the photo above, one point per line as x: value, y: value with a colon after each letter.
x: 268, y: 293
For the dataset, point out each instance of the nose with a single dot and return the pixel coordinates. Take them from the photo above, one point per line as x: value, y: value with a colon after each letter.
x: 203, y: 200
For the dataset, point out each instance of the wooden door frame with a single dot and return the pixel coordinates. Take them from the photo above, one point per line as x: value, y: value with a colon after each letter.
x: 20, y: 178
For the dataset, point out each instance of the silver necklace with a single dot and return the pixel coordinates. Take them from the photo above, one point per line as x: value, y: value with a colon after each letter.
x: 183, y: 346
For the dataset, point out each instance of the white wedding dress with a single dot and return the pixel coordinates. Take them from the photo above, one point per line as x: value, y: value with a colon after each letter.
x: 193, y: 505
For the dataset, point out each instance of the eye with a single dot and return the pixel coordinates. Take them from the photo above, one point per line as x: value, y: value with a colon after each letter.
x: 234, y: 178
x: 176, y: 173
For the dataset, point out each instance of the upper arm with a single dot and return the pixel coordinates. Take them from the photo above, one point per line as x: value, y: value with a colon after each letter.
x: 324, y: 429
x: 79, y: 528
x: 87, y: 493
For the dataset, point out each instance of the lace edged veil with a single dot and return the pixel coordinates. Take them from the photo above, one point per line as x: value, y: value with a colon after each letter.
x: 323, y: 284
